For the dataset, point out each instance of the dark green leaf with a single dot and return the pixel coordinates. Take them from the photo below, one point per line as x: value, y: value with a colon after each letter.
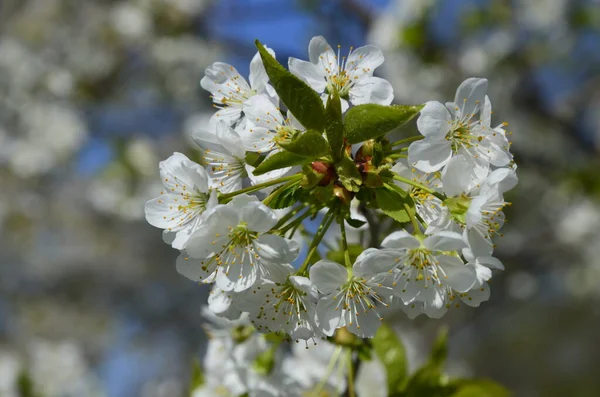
x: 279, y: 160
x: 370, y: 121
x: 285, y: 196
x: 348, y: 174
x: 392, y: 203
x: 355, y: 223
x: 308, y: 144
x: 392, y: 355
x: 334, y: 126
x: 304, y: 102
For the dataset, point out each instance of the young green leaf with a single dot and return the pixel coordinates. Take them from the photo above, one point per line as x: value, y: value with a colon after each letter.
x: 285, y: 196
x: 370, y: 121
x: 308, y: 144
x: 334, y: 127
x: 304, y: 102
x: 392, y: 202
x: 197, y: 379
x: 348, y: 174
x: 392, y: 355
x: 279, y: 160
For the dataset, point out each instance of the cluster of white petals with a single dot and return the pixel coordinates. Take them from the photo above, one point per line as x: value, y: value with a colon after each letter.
x: 215, y: 213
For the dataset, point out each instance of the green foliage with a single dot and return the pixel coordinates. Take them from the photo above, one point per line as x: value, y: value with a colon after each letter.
x: 348, y: 174
x: 338, y: 256
x: 285, y: 196
x: 334, y: 126
x: 355, y: 223
x: 391, y: 353
x: 393, y: 203
x: 309, y: 144
x: 279, y: 160
x: 197, y: 378
x: 264, y: 363
x: 25, y: 386
x: 300, y: 99
x: 364, y: 122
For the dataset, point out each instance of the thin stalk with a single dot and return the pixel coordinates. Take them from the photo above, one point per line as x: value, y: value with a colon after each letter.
x: 345, y: 244
x: 296, y: 221
x: 408, y: 140
x: 420, y: 186
x: 292, y: 213
x: 332, y: 362
x: 327, y: 220
x: 413, y: 219
x: 250, y: 189
x: 395, y: 156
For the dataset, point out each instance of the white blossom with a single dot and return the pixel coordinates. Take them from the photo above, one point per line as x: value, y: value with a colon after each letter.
x: 233, y: 247
x: 351, y: 77
x: 351, y: 298
x: 454, y: 129
x: 427, y: 270
x: 185, y: 201
x: 230, y: 90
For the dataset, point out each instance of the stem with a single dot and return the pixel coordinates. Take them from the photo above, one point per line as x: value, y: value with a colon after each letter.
x: 327, y: 220
x: 420, y: 186
x: 402, y: 149
x: 353, y: 366
x: 345, y: 244
x: 292, y: 213
x: 296, y: 221
x: 373, y: 225
x: 394, y: 156
x: 250, y: 189
x: 408, y: 140
x: 413, y: 219
x: 332, y: 362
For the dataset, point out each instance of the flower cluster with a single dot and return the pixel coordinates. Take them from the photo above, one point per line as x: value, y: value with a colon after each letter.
x: 314, y: 143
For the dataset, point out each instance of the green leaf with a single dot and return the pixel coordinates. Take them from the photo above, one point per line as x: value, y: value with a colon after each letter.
x: 439, y: 351
x: 348, y: 174
x: 285, y: 196
x: 479, y: 388
x: 338, y: 256
x: 355, y: 223
x: 392, y: 202
x: 279, y: 160
x: 364, y: 122
x: 308, y: 144
x: 300, y: 99
x: 334, y: 127
x: 392, y: 355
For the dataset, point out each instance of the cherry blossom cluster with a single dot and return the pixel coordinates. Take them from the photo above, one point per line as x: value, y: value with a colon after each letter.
x: 239, y: 215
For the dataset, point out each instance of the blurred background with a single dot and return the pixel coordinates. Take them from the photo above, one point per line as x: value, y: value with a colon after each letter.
x: 94, y: 93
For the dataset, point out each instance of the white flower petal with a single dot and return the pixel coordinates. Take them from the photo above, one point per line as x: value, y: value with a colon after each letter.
x: 445, y: 241
x: 429, y: 155
x: 309, y: 72
x: 276, y: 249
x: 259, y: 217
x: 371, y: 90
x: 470, y: 95
x: 434, y: 120
x: 401, y: 240
x: 457, y: 275
x: 328, y: 276
x: 193, y: 269
x: 327, y: 317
